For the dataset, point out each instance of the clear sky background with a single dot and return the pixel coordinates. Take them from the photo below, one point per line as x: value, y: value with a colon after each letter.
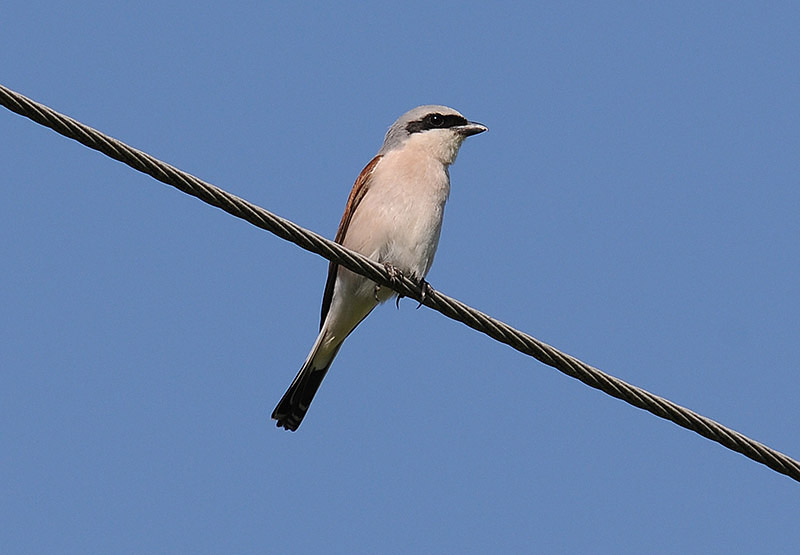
x: 635, y: 203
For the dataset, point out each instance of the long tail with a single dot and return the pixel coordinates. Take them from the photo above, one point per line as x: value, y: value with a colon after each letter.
x: 295, y: 402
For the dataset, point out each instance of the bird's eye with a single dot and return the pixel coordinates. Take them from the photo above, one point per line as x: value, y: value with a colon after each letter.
x: 437, y: 120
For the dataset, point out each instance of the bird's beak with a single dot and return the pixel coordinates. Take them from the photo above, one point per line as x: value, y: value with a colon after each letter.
x: 472, y: 128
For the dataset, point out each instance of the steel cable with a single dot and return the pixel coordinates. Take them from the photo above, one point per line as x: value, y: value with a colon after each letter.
x: 440, y: 302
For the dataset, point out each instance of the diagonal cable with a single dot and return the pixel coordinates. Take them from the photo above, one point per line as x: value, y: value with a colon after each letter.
x: 448, y: 306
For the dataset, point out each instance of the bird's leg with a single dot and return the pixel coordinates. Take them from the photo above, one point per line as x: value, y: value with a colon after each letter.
x: 425, y: 290
x: 395, y: 275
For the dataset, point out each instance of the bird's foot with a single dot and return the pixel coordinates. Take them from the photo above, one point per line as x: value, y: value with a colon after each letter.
x: 425, y: 290
x: 395, y: 274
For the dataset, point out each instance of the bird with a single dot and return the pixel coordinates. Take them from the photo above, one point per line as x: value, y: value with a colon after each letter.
x: 393, y: 216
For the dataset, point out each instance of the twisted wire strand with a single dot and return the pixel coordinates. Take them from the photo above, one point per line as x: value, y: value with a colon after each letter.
x: 440, y: 302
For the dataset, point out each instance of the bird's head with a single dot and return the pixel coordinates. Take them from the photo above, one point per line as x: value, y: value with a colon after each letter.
x: 436, y: 130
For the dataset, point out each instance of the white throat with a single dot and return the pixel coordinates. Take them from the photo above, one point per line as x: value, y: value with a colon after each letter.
x: 440, y: 144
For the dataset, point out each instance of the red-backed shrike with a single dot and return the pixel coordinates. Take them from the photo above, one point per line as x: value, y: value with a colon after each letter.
x: 394, y: 216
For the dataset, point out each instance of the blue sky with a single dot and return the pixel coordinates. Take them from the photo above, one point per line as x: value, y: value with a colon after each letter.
x: 635, y: 204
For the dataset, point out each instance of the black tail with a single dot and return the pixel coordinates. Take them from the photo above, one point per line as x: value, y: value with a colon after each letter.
x: 293, y: 406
